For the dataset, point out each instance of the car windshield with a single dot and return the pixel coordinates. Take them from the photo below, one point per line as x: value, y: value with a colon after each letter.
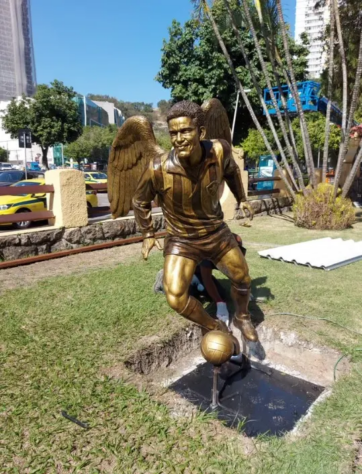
x: 99, y: 176
x: 26, y: 183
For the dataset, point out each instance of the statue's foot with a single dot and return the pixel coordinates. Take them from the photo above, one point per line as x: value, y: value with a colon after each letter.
x: 243, y: 322
x: 221, y: 326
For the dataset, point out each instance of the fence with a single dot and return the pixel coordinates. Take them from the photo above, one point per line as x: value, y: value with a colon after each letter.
x: 23, y: 214
x: 263, y: 192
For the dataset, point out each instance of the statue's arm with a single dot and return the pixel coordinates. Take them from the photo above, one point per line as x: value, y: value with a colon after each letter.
x: 232, y: 174
x: 142, y: 202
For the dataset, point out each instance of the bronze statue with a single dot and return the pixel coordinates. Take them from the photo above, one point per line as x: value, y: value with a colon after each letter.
x: 185, y: 181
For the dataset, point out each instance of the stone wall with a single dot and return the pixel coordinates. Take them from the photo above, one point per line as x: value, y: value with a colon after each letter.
x: 34, y: 243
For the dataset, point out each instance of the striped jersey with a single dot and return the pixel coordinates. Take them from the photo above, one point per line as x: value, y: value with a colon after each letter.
x: 189, y: 199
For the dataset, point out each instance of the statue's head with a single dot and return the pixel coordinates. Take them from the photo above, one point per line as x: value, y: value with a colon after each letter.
x: 186, y: 126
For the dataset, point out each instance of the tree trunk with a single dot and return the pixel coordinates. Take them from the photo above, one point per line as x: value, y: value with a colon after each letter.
x: 353, y: 172
x: 329, y: 93
x: 44, y: 158
x: 353, y: 106
x: 245, y: 97
x: 260, y: 92
x: 272, y: 53
x: 344, y: 95
x: 294, y: 90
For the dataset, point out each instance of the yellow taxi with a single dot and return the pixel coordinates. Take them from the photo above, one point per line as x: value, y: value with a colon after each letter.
x: 32, y: 202
x: 95, y: 177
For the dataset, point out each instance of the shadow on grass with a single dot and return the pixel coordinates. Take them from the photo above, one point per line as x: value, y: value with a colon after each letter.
x: 258, y: 291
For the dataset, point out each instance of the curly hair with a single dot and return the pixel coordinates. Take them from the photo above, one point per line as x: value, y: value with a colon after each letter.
x: 186, y: 108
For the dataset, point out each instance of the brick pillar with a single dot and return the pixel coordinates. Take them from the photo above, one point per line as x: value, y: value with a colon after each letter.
x: 68, y: 202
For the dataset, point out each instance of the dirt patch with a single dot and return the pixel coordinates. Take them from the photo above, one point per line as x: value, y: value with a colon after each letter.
x: 160, y: 354
x: 28, y: 275
x: 357, y: 464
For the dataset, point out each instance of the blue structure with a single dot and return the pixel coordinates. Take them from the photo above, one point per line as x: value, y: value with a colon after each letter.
x: 309, y: 93
x: 266, y: 170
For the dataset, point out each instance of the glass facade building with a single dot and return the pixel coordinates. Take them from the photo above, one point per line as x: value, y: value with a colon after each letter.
x: 90, y: 113
x: 17, y: 65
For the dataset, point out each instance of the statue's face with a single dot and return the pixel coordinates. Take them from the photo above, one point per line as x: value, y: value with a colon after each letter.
x: 185, y: 136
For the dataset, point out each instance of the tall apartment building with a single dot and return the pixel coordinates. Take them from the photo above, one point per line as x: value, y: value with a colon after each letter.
x: 313, y: 21
x: 17, y: 65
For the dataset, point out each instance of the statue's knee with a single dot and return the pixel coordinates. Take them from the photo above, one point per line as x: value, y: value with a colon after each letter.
x: 176, y: 301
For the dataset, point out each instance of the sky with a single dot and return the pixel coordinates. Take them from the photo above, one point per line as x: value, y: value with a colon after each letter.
x: 110, y: 47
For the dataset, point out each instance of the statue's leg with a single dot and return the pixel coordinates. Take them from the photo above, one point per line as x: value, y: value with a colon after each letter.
x: 178, y: 273
x: 234, y: 266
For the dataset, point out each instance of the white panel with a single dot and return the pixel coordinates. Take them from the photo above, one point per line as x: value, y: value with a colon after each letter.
x: 324, y: 253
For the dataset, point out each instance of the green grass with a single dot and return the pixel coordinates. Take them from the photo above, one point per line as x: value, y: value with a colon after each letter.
x: 58, y: 336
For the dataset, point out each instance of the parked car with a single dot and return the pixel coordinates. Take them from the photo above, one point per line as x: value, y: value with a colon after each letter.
x: 32, y: 202
x: 9, y: 177
x: 6, y: 166
x: 95, y: 177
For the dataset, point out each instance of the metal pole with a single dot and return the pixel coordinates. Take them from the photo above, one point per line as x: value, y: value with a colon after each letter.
x: 215, y: 391
x: 235, y: 113
x: 26, y: 172
x: 85, y: 111
x: 62, y: 148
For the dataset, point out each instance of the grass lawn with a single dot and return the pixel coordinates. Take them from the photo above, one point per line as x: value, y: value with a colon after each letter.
x: 57, y: 337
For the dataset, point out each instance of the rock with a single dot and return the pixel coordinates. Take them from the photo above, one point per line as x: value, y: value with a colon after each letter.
x: 256, y: 205
x: 24, y: 239
x: 59, y: 246
x: 92, y: 233
x: 74, y: 236
x: 38, y: 238
x: 43, y: 249
x: 111, y: 229
x: 13, y: 253
x: 9, y: 241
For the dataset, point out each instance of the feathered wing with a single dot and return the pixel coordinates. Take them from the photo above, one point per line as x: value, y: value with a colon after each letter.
x: 216, y: 120
x: 132, y: 149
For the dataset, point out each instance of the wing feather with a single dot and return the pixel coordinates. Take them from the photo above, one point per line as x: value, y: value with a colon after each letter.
x: 132, y: 149
x: 216, y: 120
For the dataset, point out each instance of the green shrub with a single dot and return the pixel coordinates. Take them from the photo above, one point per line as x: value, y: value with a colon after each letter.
x: 318, y: 210
x: 163, y: 139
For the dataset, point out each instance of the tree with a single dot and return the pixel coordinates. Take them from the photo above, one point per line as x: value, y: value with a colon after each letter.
x: 253, y: 145
x: 4, y: 155
x: 164, y: 106
x: 51, y: 115
x: 93, y: 144
x: 193, y: 65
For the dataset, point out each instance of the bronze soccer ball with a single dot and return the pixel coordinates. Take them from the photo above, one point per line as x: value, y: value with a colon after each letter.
x: 217, y: 347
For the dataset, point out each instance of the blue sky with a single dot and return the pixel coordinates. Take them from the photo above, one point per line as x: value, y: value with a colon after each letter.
x: 108, y: 46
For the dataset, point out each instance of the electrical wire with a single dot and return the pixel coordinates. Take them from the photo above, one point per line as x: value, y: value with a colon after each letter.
x: 314, y: 318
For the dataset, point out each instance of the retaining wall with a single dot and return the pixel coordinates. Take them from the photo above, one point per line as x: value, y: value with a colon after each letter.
x: 32, y: 243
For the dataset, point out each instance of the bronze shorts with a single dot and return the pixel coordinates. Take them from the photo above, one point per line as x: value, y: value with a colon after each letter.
x: 210, y: 247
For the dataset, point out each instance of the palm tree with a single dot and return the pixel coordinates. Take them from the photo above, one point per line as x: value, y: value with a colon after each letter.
x: 265, y: 108
x: 329, y: 92
x: 203, y: 7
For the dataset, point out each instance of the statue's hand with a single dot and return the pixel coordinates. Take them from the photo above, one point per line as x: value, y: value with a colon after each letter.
x: 147, y: 246
x: 245, y: 206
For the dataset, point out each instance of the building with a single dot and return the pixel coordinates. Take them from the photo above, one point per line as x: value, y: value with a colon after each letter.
x: 17, y: 155
x: 115, y: 115
x: 313, y: 21
x: 90, y: 113
x: 17, y: 65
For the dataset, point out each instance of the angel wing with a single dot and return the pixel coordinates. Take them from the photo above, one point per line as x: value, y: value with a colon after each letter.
x: 132, y: 149
x: 216, y: 120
